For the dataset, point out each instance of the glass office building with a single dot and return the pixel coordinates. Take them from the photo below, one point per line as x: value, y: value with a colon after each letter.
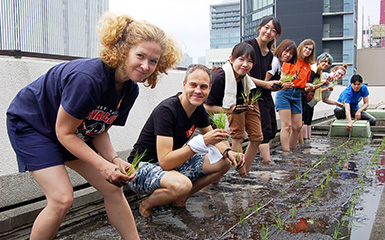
x: 332, y: 24
x: 60, y: 27
x: 225, y: 25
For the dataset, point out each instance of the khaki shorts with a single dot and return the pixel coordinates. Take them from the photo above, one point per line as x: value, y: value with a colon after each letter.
x: 249, y: 121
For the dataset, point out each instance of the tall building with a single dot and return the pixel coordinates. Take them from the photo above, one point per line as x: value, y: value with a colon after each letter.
x: 331, y: 24
x: 382, y: 13
x: 252, y: 13
x: 60, y: 27
x: 224, y: 27
x: 224, y: 32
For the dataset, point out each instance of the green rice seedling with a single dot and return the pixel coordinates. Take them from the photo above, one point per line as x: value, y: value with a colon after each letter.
x: 337, y: 230
x: 258, y: 206
x: 316, y: 193
x: 298, y: 177
x: 322, y: 184
x: 349, y: 212
x: 362, y: 183
x: 308, y: 201
x: 134, y: 165
x: 283, y: 190
x: 316, y: 81
x: 305, y: 174
x: 219, y: 119
x: 264, y: 231
x: 334, y: 171
x: 278, y: 220
x: 250, y: 100
x: 257, y: 96
x: 286, y: 78
x: 293, y: 211
x: 243, y: 216
x: 327, y: 179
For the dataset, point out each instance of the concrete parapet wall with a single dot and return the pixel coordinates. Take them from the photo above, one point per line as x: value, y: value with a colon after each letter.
x: 17, y: 73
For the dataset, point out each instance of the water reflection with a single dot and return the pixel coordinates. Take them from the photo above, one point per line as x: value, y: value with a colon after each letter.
x: 319, y: 202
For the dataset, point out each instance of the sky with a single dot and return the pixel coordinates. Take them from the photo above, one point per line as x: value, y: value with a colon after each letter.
x: 188, y: 21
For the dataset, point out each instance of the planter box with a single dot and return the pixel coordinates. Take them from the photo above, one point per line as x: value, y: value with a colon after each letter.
x: 361, y: 129
x: 378, y: 114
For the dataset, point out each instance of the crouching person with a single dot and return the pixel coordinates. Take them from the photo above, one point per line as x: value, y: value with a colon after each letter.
x: 177, y: 170
x: 350, y: 98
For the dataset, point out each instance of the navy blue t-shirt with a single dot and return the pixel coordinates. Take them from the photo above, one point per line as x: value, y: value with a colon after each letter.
x: 168, y: 119
x: 86, y: 90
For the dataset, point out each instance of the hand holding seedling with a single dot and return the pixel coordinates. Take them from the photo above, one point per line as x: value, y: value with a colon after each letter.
x: 238, y: 159
x: 118, y: 177
x: 215, y: 136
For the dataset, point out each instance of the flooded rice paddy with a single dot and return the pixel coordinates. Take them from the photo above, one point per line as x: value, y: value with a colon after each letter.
x: 329, y: 188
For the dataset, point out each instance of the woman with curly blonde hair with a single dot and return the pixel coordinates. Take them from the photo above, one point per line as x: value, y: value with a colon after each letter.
x: 62, y: 119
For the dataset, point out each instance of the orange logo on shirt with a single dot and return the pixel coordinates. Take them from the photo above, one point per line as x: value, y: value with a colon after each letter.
x: 190, y: 131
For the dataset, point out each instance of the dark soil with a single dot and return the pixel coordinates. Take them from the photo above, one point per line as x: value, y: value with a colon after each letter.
x: 313, y: 191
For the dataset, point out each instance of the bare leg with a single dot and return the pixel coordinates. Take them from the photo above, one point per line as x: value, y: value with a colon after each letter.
x: 117, y: 207
x: 59, y: 195
x: 214, y: 173
x: 309, y: 132
x: 285, y: 117
x: 251, y: 152
x: 304, y: 132
x: 296, y: 123
x: 265, y: 152
x: 175, y: 186
x: 236, y: 146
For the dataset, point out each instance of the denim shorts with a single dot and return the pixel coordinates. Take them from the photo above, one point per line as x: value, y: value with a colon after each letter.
x: 289, y: 99
x: 149, y: 174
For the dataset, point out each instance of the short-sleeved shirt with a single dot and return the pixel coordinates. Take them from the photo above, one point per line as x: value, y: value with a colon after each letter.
x: 349, y: 96
x: 276, y: 69
x: 85, y: 88
x: 168, y: 119
x: 217, y: 91
x: 302, y: 67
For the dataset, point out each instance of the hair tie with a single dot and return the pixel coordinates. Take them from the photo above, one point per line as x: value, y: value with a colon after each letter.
x: 124, y: 35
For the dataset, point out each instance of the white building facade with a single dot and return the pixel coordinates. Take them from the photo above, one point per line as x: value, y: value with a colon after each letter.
x: 59, y: 27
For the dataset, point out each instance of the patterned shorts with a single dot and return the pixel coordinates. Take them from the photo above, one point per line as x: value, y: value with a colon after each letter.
x: 149, y: 174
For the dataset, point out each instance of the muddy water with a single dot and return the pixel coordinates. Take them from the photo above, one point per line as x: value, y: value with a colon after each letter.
x: 315, y: 192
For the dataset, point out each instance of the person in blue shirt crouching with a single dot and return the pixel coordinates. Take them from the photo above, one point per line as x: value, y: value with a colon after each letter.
x: 351, y: 97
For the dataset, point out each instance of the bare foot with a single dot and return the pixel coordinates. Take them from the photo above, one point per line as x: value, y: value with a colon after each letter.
x: 268, y: 162
x: 144, y: 211
x: 179, y: 204
x: 242, y: 172
x: 286, y: 153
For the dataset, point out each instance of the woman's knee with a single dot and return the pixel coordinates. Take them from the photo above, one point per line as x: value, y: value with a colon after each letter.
x: 287, y: 128
x: 61, y: 202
